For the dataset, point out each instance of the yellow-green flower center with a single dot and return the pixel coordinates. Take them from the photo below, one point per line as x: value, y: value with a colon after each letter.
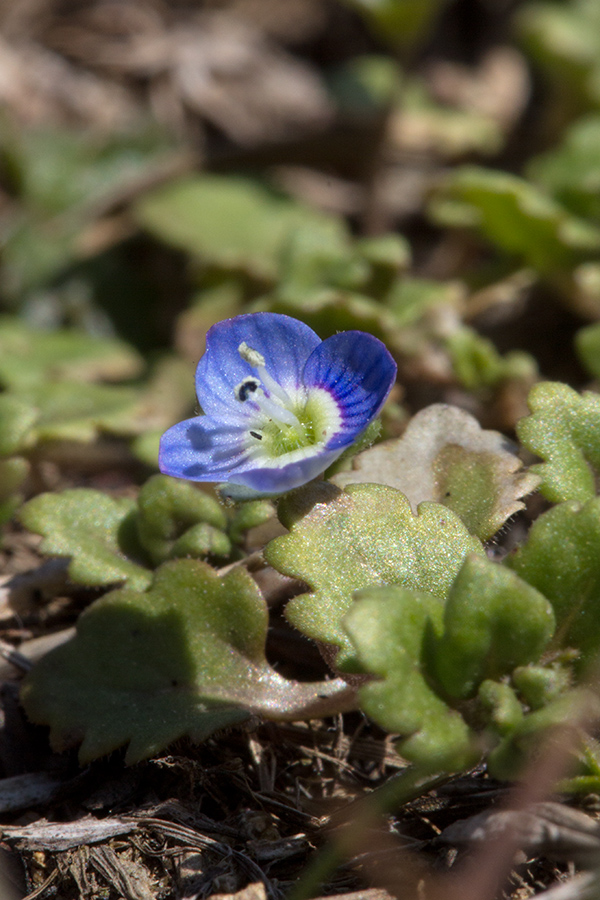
x: 286, y: 424
x: 318, y: 417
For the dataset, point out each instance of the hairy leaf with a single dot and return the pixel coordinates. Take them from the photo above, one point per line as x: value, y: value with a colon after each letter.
x: 564, y: 429
x: 390, y: 628
x: 493, y: 622
x: 444, y: 455
x: 366, y: 535
x: 97, y: 531
x: 185, y: 657
x: 561, y: 559
x: 168, y: 510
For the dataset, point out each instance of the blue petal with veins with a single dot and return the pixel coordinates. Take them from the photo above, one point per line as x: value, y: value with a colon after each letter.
x: 280, y: 405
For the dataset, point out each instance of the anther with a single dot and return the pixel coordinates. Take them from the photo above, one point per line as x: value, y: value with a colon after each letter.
x: 251, y: 356
x: 247, y: 386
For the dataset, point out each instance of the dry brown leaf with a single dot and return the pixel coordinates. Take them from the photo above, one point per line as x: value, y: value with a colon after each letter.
x: 445, y: 456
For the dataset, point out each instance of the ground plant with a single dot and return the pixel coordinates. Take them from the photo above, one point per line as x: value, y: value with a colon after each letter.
x: 300, y: 450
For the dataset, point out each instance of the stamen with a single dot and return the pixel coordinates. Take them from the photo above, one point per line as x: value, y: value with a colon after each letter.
x: 246, y: 387
x: 278, y: 408
x: 272, y: 386
x: 252, y: 357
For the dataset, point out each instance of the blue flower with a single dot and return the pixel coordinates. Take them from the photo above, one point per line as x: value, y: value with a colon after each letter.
x: 279, y: 404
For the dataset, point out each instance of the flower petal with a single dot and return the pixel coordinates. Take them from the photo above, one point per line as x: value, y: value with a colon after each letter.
x: 203, y: 449
x: 358, y: 371
x: 209, y: 449
x: 284, y: 342
x: 268, y: 480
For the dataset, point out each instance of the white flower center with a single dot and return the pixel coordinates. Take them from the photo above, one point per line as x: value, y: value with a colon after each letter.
x: 291, y: 425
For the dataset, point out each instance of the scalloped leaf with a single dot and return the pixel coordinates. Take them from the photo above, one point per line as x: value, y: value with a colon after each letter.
x: 391, y: 628
x: 29, y: 356
x: 561, y: 559
x: 430, y: 656
x: 363, y: 536
x: 186, y: 657
x: 493, y: 622
x: 517, y: 216
x: 95, y: 530
x: 564, y: 429
x: 114, y: 539
x: 171, y: 514
x: 445, y: 456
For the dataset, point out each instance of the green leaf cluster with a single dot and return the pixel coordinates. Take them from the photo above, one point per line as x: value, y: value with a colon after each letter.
x: 456, y: 642
x: 440, y: 666
x: 119, y: 539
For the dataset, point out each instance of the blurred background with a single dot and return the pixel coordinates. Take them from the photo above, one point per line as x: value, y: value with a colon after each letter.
x: 427, y: 170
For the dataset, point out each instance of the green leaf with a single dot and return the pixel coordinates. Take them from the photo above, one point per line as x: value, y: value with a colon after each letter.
x: 571, y: 171
x: 564, y: 429
x: 365, y: 84
x: 423, y: 124
x: 444, y: 455
x: 412, y: 298
x: 493, y: 622
x: 561, y: 559
x: 565, y: 39
x: 400, y: 21
x: 363, y: 536
x: 540, y: 685
x: 249, y: 515
x: 522, y: 743
x: 13, y: 473
x: 95, y: 530
x: 328, y: 311
x: 29, y: 356
x: 500, y: 705
x: 17, y: 419
x: 587, y: 345
x: 145, y: 668
x: 517, y: 217
x: 62, y: 180
x: 168, y: 509
x: 477, y: 363
x: 232, y: 222
x: 390, y: 628
x: 72, y: 411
